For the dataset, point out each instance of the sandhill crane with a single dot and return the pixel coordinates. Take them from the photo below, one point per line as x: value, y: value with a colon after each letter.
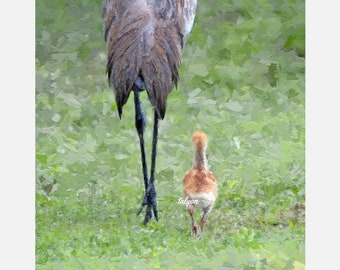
x: 199, y: 184
x: 144, y: 41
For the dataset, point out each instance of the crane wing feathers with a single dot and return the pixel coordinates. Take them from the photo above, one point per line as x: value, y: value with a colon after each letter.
x: 145, y: 38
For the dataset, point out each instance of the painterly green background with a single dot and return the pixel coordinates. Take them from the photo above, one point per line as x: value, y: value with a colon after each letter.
x: 242, y: 81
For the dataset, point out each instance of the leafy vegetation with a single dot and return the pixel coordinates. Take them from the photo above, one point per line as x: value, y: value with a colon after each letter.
x: 242, y: 82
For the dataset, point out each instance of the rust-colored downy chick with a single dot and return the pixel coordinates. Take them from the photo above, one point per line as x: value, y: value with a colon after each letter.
x: 200, y: 187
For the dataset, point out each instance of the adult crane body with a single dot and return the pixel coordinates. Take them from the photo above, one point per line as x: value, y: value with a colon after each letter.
x: 144, y: 41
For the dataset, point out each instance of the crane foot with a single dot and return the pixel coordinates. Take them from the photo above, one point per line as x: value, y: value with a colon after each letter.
x: 151, y: 204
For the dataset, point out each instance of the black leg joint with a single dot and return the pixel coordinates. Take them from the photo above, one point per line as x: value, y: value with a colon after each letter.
x: 140, y: 116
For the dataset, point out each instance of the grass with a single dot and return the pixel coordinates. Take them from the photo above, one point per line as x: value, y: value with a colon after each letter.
x: 242, y: 82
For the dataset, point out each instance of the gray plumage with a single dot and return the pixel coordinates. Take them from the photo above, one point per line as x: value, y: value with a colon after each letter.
x: 145, y: 40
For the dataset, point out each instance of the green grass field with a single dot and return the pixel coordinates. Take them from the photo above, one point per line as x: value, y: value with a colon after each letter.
x: 242, y: 81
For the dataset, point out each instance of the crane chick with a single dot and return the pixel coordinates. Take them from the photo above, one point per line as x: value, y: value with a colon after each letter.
x: 200, y: 187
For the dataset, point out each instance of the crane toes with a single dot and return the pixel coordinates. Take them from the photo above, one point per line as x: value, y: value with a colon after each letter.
x: 155, y: 211
x: 151, y: 204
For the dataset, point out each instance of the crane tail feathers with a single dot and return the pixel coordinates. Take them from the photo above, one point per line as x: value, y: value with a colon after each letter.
x: 140, y: 44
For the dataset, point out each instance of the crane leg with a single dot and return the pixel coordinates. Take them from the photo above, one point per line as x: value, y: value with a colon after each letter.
x: 150, y: 192
x: 151, y: 187
x: 140, y: 126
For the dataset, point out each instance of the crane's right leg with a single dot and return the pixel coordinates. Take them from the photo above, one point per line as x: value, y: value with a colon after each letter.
x: 140, y: 126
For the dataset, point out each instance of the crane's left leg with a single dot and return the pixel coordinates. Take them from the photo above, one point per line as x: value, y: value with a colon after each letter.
x: 151, y: 187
